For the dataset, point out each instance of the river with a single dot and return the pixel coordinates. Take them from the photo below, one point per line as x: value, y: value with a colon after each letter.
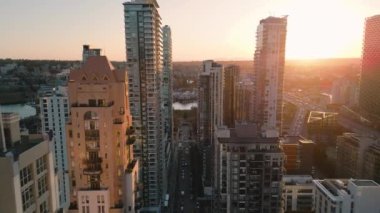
x: 23, y: 110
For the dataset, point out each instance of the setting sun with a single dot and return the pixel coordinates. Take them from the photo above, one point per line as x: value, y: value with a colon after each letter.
x: 322, y: 29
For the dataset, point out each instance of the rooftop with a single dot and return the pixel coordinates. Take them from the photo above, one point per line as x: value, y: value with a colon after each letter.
x: 154, y: 2
x: 335, y: 185
x: 18, y: 148
x: 297, y: 179
x: 272, y: 19
x: 320, y: 115
x: 365, y: 183
x: 291, y: 140
x: 98, y: 69
x: 246, y: 134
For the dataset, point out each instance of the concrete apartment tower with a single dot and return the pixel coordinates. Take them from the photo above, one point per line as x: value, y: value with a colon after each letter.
x: 269, y: 61
x: 369, y: 99
x: 102, y: 170
x: 27, y: 175
x: 54, y: 105
x: 210, y: 114
x: 167, y: 101
x: 249, y: 170
x: 143, y: 35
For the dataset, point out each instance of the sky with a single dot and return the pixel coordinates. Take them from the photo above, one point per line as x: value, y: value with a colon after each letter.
x: 201, y: 29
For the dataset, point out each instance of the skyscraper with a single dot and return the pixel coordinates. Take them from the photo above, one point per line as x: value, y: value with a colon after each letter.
x: 369, y: 99
x: 248, y: 158
x: 54, y: 107
x: 231, y: 79
x: 99, y: 144
x: 210, y: 113
x: 166, y: 99
x: 269, y: 61
x: 143, y: 37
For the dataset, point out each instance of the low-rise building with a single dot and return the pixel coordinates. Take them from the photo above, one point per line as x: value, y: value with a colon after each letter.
x: 298, y: 155
x: 347, y: 195
x: 297, y: 193
x: 27, y: 176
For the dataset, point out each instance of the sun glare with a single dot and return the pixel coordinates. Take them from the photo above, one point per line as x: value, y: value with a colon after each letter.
x: 323, y: 29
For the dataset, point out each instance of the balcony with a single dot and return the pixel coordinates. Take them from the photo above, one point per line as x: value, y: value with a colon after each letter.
x: 92, y: 145
x: 131, y: 140
x: 91, y: 135
x: 118, y: 121
x: 94, y: 166
x: 130, y: 131
x: 131, y: 166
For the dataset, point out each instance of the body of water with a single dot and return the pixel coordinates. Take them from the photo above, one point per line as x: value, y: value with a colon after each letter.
x: 23, y: 110
x: 180, y: 106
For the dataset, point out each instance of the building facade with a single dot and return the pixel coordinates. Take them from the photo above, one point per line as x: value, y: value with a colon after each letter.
x: 167, y: 100
x: 210, y: 114
x: 297, y: 193
x: 249, y: 172
x: 99, y: 141
x: 54, y: 106
x: 371, y: 163
x: 27, y: 170
x: 342, y: 195
x: 245, y: 98
x: 230, y: 93
x: 298, y: 155
x: 143, y: 35
x: 351, y: 150
x: 369, y: 101
x: 269, y: 62
x: 358, y: 156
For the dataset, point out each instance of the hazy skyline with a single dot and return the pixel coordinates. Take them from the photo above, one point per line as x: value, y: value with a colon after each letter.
x: 220, y: 30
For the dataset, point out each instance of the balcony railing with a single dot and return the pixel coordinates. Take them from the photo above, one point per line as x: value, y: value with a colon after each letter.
x: 118, y: 121
x: 93, y: 166
x: 131, y: 140
x: 93, y: 145
x: 91, y: 135
x: 130, y: 166
x: 92, y: 171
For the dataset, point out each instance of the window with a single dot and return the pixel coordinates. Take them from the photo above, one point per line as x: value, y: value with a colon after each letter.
x: 27, y: 197
x: 41, y: 164
x: 44, y: 207
x: 26, y: 175
x: 42, y: 185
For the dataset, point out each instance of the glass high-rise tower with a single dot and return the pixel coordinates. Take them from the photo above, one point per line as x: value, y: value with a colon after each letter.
x: 369, y: 99
x: 143, y: 36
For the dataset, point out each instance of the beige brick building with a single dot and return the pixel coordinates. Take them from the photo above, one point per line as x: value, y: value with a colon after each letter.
x: 102, y: 171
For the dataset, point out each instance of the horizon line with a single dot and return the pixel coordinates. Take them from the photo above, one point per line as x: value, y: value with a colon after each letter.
x: 191, y: 60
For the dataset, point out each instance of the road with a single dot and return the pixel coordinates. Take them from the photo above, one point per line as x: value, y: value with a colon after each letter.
x: 183, y: 199
x: 303, y: 106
